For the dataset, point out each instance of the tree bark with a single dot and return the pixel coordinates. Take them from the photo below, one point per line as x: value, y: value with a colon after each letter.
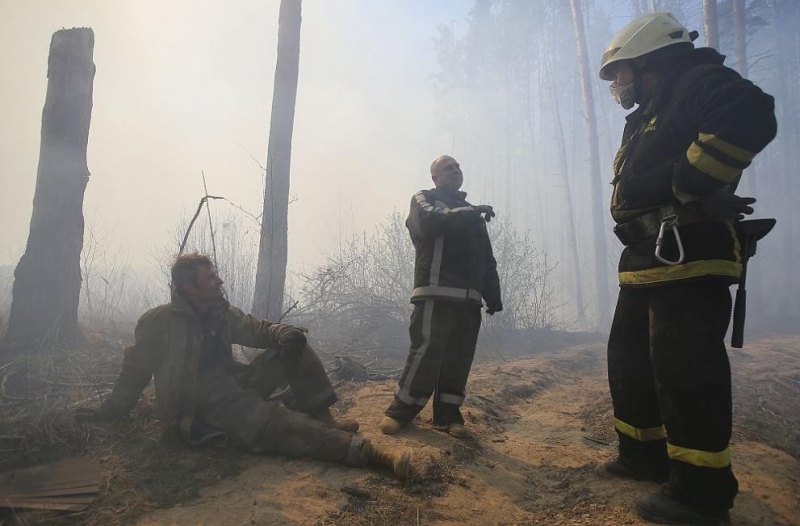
x: 572, y: 236
x: 785, y: 187
x: 273, y: 247
x: 598, y: 229
x: 711, y: 23
x: 47, y: 280
x: 740, y: 37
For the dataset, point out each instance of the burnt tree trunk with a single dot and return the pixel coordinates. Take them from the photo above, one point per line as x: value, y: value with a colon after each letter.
x: 47, y: 280
x: 598, y: 228
x: 711, y: 23
x: 273, y: 247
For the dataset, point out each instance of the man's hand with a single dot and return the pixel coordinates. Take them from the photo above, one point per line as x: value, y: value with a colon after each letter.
x: 292, y: 340
x: 723, y: 206
x: 86, y: 415
x: 486, y: 210
x: 491, y: 308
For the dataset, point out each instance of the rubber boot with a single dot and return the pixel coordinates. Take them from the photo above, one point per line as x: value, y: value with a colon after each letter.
x: 388, y: 457
x: 325, y: 416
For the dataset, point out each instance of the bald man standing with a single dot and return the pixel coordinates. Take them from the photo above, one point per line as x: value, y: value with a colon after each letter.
x: 455, y: 271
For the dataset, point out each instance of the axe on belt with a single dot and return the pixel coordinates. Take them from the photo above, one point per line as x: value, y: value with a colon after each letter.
x: 749, y: 233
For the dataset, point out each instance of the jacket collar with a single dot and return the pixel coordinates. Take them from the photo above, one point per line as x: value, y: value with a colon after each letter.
x: 450, y: 195
x: 181, y: 305
x: 671, y: 72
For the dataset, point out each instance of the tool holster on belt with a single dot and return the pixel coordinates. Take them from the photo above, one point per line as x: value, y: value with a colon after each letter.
x: 749, y: 232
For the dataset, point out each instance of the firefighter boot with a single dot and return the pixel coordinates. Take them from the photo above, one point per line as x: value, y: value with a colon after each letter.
x: 662, y: 509
x: 325, y: 416
x: 457, y: 430
x: 391, y: 426
x: 618, y: 469
x: 388, y: 457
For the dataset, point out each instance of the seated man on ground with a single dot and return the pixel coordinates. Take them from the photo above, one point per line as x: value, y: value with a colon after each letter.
x: 206, y: 397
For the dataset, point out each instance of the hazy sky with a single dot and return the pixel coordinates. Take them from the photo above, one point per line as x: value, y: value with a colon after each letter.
x: 181, y: 84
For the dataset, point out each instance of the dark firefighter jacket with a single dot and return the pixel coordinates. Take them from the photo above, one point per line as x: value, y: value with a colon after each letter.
x: 168, y: 343
x: 694, y: 136
x: 454, y: 259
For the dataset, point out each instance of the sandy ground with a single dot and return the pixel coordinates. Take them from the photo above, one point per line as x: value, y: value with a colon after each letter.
x: 541, y: 426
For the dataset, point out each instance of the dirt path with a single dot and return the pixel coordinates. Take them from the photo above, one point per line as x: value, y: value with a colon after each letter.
x: 542, y: 424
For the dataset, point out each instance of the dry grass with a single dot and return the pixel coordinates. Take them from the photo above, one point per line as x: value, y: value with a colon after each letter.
x: 40, y: 392
x: 766, y: 391
x: 384, y: 501
x: 144, y: 471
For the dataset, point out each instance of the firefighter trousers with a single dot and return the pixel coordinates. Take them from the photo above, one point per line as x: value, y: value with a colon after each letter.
x: 443, y: 339
x: 670, y: 382
x: 235, y: 402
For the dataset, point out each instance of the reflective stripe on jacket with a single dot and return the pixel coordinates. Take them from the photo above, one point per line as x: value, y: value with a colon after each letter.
x: 693, y: 136
x: 454, y: 259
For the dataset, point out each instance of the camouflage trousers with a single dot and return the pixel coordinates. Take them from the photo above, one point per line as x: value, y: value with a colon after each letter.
x: 236, y: 402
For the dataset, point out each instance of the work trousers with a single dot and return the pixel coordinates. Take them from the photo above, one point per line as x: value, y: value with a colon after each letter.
x: 670, y: 382
x: 235, y: 401
x: 443, y: 338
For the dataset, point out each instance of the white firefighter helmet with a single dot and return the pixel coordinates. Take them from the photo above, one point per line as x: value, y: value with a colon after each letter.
x: 643, y: 35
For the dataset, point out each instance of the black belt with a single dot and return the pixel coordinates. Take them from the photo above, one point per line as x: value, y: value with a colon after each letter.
x: 643, y: 227
x: 649, y: 224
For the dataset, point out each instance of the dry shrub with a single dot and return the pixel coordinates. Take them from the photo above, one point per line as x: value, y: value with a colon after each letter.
x: 358, y: 300
x: 143, y: 469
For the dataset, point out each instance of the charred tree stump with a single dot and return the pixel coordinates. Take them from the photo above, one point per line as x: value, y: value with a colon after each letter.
x: 47, y: 280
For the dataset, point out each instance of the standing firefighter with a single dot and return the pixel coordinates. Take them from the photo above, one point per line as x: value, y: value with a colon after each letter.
x: 698, y: 125
x: 454, y: 270
x: 206, y: 397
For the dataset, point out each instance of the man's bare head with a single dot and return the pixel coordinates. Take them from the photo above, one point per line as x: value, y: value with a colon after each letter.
x: 194, y: 276
x: 446, y: 173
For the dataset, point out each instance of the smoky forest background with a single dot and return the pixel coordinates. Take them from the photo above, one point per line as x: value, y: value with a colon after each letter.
x: 519, y: 102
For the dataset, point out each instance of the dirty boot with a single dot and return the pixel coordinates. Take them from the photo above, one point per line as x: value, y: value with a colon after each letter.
x: 617, y: 469
x: 388, y: 457
x: 457, y: 430
x: 390, y: 426
x: 325, y: 416
x: 661, y: 509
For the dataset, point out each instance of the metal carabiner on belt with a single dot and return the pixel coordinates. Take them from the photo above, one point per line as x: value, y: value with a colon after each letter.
x: 669, y: 220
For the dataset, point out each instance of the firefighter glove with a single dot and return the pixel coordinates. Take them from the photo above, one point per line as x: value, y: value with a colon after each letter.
x: 723, y: 206
x: 486, y: 210
x: 493, y: 307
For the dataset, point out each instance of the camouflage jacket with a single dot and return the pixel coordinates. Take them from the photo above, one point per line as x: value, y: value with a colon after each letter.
x: 167, y: 343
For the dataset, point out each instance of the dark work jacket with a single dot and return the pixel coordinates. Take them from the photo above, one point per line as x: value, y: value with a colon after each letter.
x: 694, y: 135
x: 454, y: 259
x: 168, y: 346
